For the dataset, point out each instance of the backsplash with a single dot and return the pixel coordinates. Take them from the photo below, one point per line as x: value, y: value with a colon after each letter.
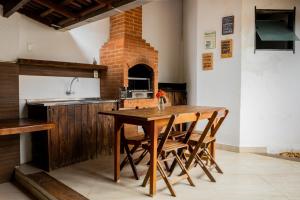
x: 46, y: 87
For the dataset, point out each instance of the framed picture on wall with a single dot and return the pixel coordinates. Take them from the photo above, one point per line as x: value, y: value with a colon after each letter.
x: 210, y: 40
x: 228, y: 25
x: 226, y: 48
x: 207, y: 61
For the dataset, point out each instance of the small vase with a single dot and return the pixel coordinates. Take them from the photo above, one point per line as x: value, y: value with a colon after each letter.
x: 161, y: 104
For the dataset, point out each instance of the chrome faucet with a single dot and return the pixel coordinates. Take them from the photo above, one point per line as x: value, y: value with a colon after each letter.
x: 69, y: 91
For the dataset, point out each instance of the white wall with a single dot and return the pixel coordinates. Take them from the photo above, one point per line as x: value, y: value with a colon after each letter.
x: 270, y: 86
x: 221, y: 86
x: 162, y: 28
x: 91, y: 37
x: 190, y: 49
x: 9, y: 37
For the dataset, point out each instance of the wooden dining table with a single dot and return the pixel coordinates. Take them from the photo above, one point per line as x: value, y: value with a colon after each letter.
x: 153, y: 121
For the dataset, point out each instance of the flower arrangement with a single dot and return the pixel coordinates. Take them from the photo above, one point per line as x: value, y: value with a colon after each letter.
x: 162, y: 100
x: 161, y: 95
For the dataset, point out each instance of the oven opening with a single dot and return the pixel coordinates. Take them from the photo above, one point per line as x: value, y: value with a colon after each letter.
x: 140, y: 78
x: 140, y: 81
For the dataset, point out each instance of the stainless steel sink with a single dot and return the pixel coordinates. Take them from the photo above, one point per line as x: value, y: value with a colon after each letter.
x: 54, y: 102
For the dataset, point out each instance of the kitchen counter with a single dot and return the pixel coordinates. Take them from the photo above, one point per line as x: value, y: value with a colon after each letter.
x: 19, y: 126
x: 58, y: 102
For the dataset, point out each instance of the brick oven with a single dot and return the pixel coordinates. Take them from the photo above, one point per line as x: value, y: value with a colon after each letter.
x: 132, y: 62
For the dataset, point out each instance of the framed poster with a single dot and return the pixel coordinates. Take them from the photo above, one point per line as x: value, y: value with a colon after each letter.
x: 228, y: 25
x: 210, y: 40
x: 207, y: 61
x: 226, y: 48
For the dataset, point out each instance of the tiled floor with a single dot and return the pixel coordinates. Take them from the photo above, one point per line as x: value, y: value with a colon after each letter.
x: 10, y: 192
x: 247, y: 176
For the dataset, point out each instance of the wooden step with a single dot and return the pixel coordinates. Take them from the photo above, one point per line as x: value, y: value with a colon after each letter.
x: 44, y: 187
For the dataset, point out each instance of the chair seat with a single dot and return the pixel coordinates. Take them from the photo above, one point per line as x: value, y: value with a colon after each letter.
x: 140, y: 138
x: 171, y: 145
x: 195, y: 136
x: 177, y: 135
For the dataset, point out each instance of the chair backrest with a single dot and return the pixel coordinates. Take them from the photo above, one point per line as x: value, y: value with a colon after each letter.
x: 222, y: 114
x: 178, y: 119
x: 200, y: 141
x: 186, y: 117
x: 213, y: 125
x: 129, y: 129
x: 191, y: 118
x: 181, y: 123
x: 166, y: 134
x: 207, y: 129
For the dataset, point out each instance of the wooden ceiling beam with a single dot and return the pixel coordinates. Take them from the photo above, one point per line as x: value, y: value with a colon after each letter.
x: 110, y: 4
x: 57, y: 8
x: 50, y: 10
x: 74, y: 3
x: 86, y: 3
x: 47, y: 12
x: 65, y: 21
x: 107, y: 2
x: 66, y: 2
x: 36, y: 17
x: 73, y: 14
x: 92, y: 9
x: 12, y: 6
x: 83, y: 13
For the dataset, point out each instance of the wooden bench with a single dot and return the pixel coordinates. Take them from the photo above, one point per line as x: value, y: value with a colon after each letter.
x: 10, y: 131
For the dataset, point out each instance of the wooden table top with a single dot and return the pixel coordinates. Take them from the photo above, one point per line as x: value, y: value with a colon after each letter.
x: 150, y: 114
x: 19, y: 126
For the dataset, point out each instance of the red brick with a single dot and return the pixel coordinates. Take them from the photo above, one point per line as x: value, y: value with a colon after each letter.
x: 125, y: 49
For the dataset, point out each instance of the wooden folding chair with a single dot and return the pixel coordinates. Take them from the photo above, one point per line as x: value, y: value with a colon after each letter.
x: 200, y: 141
x: 132, y: 141
x: 185, y: 137
x: 171, y: 147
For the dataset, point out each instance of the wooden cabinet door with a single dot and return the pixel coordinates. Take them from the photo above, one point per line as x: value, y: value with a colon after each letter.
x: 59, y: 139
x: 176, y: 97
x: 80, y: 134
x: 53, y: 138
x: 84, y: 132
x: 91, y: 137
x: 65, y: 140
x: 80, y: 120
x: 105, y: 138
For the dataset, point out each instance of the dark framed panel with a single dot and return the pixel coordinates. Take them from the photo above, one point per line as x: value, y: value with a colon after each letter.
x: 228, y: 25
x: 285, y: 18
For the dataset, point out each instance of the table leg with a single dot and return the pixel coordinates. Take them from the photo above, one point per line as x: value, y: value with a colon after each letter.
x: 118, y: 127
x: 153, y: 130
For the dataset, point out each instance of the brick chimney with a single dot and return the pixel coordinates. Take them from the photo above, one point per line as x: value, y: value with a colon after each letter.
x: 125, y: 49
